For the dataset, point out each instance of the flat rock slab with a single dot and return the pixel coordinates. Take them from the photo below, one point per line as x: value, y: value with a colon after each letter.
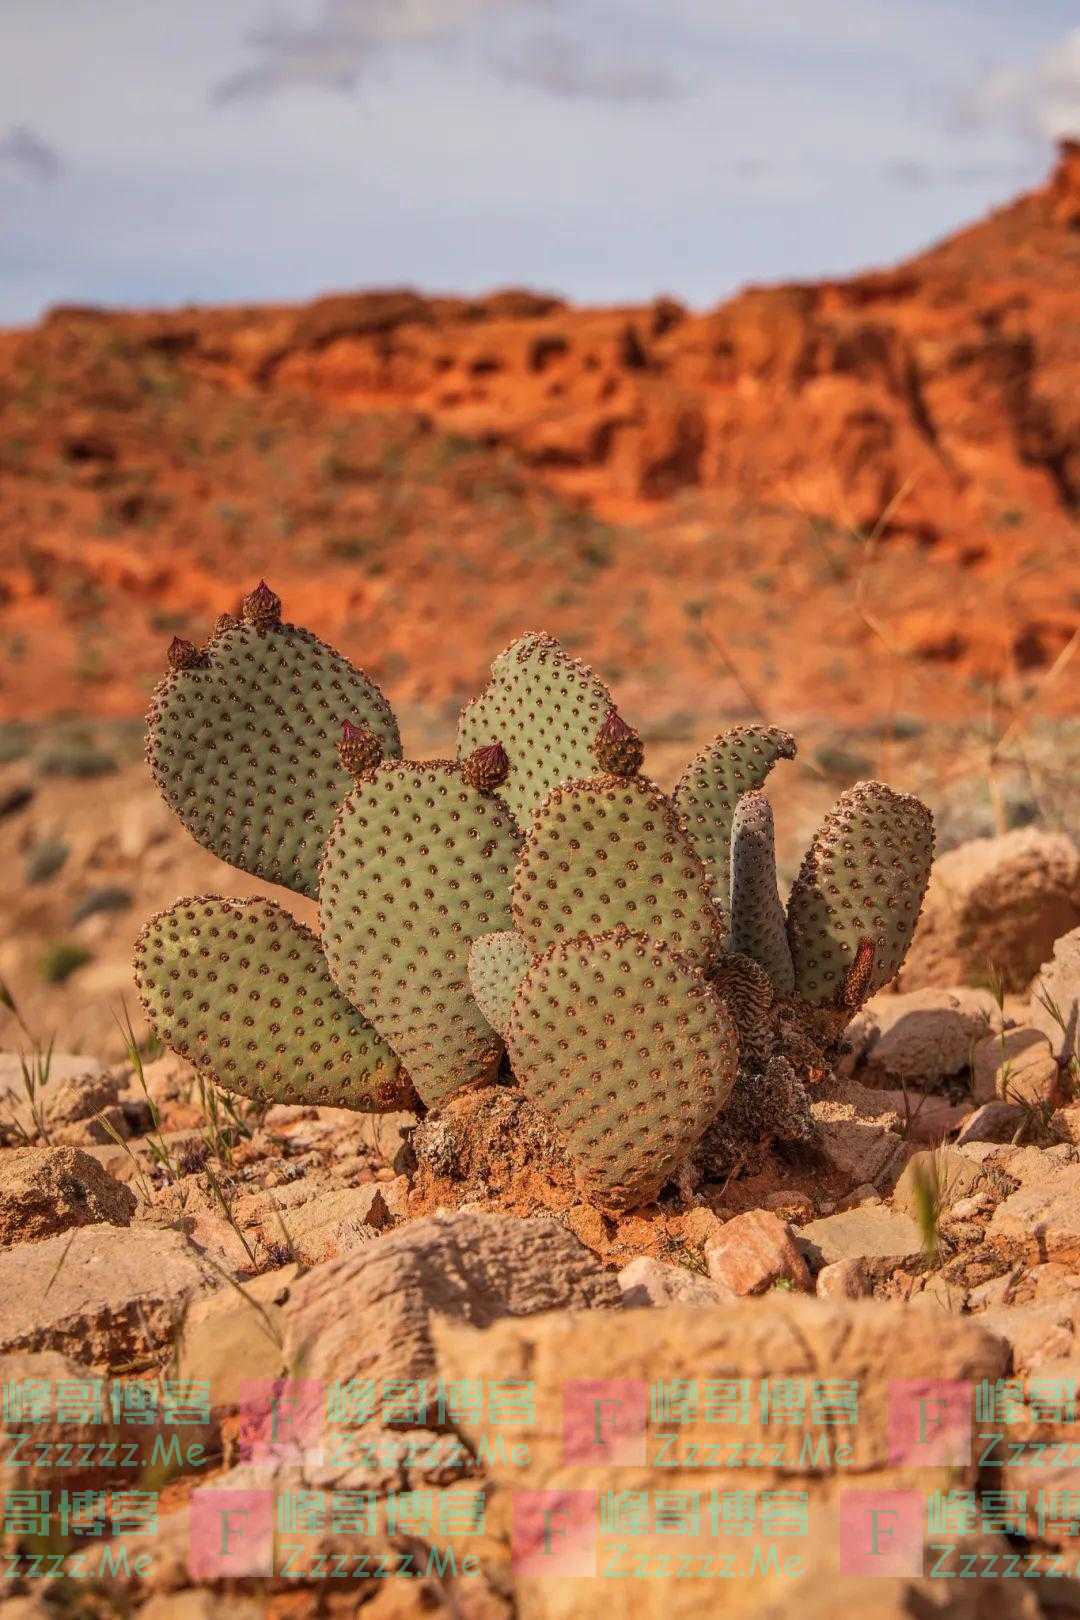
x: 870, y: 1230
x: 954, y: 1175
x: 923, y: 1035
x: 1043, y: 1217
x: 100, y: 1294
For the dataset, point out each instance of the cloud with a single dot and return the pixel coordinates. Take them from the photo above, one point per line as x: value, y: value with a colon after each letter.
x: 566, y: 68
x: 1041, y: 101
x: 333, y: 52
x: 24, y: 153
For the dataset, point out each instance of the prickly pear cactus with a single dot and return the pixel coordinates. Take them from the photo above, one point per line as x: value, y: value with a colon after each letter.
x: 622, y: 1043
x: 857, y: 898
x: 417, y: 866
x: 758, y: 923
x: 545, y: 709
x: 240, y: 989
x: 734, y: 763
x: 497, y: 964
x: 243, y: 737
x: 612, y: 850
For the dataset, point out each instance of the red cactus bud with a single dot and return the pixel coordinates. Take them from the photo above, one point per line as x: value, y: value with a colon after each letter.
x: 226, y: 621
x: 618, y: 748
x: 262, y: 608
x: 487, y: 768
x: 183, y: 654
x: 359, y: 750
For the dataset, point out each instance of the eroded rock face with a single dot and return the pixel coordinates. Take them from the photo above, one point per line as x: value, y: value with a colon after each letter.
x: 76, y: 1088
x: 995, y: 903
x: 48, y: 1190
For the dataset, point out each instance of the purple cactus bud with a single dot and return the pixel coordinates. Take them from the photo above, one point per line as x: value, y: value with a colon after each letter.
x: 359, y: 750
x: 262, y: 608
x: 183, y: 654
x: 487, y: 768
x: 618, y: 749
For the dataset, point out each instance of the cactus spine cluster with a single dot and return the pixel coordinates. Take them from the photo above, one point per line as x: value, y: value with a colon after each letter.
x: 537, y: 900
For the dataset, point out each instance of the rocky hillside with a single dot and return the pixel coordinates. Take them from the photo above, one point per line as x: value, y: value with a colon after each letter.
x: 851, y: 498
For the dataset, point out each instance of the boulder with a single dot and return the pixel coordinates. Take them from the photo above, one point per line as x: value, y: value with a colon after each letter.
x: 753, y: 1252
x: 954, y: 1175
x: 369, y: 1314
x: 1018, y: 1065
x: 1042, y: 1219
x: 921, y: 1036
x: 995, y: 904
x: 75, y: 1090
x: 52, y: 1189
x: 1055, y: 998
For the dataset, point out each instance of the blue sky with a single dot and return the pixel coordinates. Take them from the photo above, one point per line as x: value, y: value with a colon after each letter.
x: 231, y: 150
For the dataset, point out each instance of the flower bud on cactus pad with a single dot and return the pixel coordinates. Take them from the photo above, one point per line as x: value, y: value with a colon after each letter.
x: 486, y: 769
x: 359, y: 749
x: 183, y: 654
x: 618, y: 749
x: 545, y: 708
x: 243, y: 744
x: 261, y: 608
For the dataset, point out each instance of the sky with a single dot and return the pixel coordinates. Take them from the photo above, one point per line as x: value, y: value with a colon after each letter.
x: 211, y: 151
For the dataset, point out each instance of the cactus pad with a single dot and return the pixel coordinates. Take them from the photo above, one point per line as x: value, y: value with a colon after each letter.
x: 497, y: 964
x: 240, y: 989
x: 417, y: 866
x: 612, y: 850
x: 624, y: 1046
x: 863, y: 877
x: 736, y: 762
x: 758, y: 925
x: 243, y: 743
x: 546, y: 709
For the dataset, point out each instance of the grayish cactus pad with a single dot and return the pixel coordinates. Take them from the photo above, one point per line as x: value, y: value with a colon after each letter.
x: 758, y: 923
x: 418, y: 865
x: 622, y: 1043
x: 240, y: 989
x: 497, y: 964
x: 244, y: 746
x: 736, y: 762
x: 863, y: 878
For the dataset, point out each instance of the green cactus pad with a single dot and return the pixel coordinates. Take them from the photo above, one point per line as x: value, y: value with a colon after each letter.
x: 624, y: 1046
x: 497, y: 964
x: 611, y: 851
x: 758, y: 924
x: 863, y: 877
x: 243, y: 744
x: 417, y: 866
x: 547, y: 710
x: 736, y: 762
x: 240, y: 989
